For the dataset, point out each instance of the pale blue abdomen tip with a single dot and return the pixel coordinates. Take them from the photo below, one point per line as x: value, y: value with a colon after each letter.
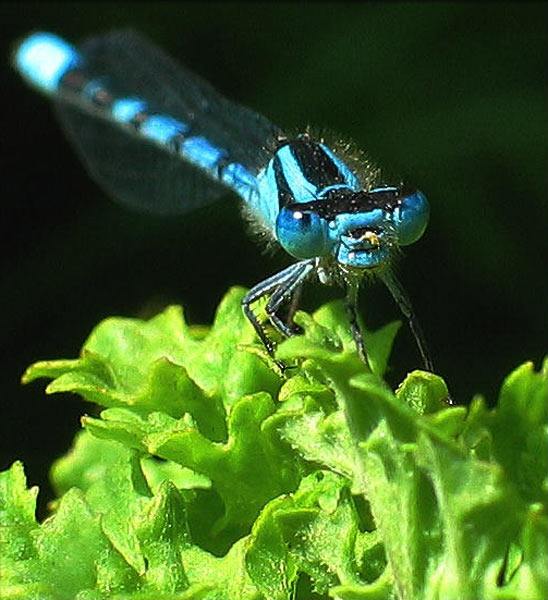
x: 43, y: 58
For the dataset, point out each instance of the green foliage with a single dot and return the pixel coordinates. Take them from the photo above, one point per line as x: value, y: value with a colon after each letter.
x: 209, y: 476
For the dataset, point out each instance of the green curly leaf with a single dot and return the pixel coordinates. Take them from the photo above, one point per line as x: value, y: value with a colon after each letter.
x: 209, y: 476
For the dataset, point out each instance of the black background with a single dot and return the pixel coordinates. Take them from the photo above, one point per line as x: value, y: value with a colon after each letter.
x: 451, y: 97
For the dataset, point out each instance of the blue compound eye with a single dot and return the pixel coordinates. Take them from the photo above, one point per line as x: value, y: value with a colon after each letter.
x: 304, y: 234
x: 411, y: 217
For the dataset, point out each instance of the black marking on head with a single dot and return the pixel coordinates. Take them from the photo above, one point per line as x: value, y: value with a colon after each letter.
x: 344, y: 201
x: 316, y: 166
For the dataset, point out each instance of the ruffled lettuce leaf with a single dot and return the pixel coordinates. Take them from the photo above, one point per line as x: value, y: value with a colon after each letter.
x: 208, y: 474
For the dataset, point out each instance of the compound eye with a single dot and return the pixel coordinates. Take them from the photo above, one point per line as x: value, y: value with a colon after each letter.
x: 302, y: 233
x: 411, y: 217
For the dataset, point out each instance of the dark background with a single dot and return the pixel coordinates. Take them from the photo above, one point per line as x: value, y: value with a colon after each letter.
x: 452, y: 97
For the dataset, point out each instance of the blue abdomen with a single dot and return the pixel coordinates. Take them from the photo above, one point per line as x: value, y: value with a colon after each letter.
x: 153, y: 134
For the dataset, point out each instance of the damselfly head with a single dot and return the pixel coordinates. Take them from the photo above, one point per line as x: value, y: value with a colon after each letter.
x: 371, y: 224
x: 359, y: 229
x: 379, y: 220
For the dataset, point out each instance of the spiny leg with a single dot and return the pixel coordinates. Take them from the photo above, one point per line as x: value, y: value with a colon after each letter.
x: 287, y: 291
x: 280, y: 286
x: 402, y: 299
x: 352, y: 311
x: 257, y: 292
x: 294, y: 304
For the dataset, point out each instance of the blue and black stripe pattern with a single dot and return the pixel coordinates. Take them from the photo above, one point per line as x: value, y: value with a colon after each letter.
x: 159, y: 138
x: 143, y: 124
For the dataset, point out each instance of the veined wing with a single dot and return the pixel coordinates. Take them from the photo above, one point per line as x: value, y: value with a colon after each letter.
x: 152, y: 133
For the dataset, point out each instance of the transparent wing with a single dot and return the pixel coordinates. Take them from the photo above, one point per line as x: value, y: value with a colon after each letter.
x: 136, y: 172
